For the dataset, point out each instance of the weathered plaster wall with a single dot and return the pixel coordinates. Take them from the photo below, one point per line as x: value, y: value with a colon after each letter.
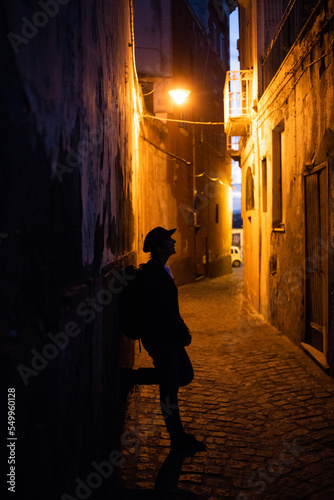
x: 153, y: 33
x: 301, y: 94
x: 251, y: 226
x: 169, y: 198
x: 67, y: 161
x: 199, y: 63
x: 315, y: 124
x: 166, y: 191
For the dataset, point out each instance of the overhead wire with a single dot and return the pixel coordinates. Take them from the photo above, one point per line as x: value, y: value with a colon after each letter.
x: 181, y: 121
x: 167, y: 152
x: 176, y: 157
x: 214, y: 179
x: 163, y: 120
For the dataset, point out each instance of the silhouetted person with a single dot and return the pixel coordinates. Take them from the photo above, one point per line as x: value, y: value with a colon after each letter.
x: 165, y: 335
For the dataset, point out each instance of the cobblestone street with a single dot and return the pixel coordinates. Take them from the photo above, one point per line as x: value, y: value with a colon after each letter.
x: 263, y: 408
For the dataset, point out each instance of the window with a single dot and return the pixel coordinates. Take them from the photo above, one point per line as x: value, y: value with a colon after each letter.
x: 264, y: 185
x: 278, y: 155
x: 249, y: 190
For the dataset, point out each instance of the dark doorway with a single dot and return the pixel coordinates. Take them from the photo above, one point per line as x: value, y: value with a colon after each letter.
x: 316, y: 257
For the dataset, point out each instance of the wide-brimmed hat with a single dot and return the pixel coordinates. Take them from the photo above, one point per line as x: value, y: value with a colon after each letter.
x: 155, y: 237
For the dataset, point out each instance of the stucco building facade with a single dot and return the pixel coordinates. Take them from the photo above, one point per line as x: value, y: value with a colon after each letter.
x: 286, y: 156
x: 175, y: 48
x: 84, y: 175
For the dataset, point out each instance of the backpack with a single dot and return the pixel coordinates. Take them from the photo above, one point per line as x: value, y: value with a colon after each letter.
x: 131, y: 303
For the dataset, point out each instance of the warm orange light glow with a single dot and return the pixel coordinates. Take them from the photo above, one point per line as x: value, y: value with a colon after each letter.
x: 179, y: 95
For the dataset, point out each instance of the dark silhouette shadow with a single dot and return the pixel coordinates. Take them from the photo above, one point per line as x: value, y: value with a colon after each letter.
x: 166, y: 483
x: 138, y: 494
x: 168, y: 476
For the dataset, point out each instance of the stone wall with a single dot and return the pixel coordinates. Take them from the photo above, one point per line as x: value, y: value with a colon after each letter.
x: 68, y: 106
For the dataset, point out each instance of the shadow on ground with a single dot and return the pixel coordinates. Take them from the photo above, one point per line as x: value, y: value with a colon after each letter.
x: 166, y: 482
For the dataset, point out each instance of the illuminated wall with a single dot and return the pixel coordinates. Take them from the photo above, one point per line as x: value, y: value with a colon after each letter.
x: 185, y: 55
x: 289, y: 152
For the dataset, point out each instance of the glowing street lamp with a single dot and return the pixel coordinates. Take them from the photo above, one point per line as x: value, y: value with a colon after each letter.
x: 179, y: 95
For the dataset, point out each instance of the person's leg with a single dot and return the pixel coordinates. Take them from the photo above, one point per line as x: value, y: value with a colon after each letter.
x: 174, y: 369
x: 186, y: 372
x: 131, y: 378
x: 149, y: 376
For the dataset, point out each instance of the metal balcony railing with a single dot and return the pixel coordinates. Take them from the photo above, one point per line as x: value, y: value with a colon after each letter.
x: 292, y: 22
x: 237, y: 102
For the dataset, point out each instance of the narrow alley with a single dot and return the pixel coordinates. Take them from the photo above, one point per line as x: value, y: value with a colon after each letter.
x: 212, y: 121
x: 263, y: 408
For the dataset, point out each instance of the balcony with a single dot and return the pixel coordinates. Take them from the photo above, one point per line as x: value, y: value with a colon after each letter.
x: 233, y: 147
x: 237, y: 102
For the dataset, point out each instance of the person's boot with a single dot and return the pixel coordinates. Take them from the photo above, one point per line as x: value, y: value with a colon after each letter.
x: 187, y: 442
x: 127, y: 383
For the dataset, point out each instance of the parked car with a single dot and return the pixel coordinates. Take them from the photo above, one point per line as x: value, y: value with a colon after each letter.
x: 236, y: 257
